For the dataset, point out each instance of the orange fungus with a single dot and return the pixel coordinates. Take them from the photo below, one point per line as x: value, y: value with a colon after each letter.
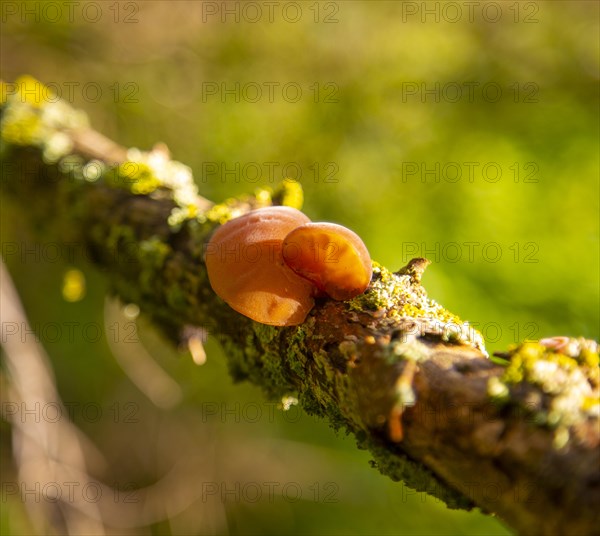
x: 246, y: 268
x: 331, y: 257
x: 270, y: 263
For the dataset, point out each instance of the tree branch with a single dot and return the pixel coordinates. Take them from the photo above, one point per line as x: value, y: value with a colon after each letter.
x: 409, y: 379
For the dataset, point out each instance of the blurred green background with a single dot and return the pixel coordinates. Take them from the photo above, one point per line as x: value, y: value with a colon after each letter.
x: 468, y: 135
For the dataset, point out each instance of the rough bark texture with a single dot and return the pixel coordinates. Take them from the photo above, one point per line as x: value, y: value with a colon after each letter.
x: 351, y: 363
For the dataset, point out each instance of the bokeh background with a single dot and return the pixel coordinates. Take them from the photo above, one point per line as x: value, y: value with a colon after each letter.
x: 466, y: 135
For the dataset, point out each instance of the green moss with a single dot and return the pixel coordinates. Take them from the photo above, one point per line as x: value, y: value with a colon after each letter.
x: 121, y: 242
x: 176, y: 297
x: 151, y: 254
x: 238, y: 363
x: 309, y: 403
x: 296, y: 352
x: 264, y: 365
x: 265, y: 333
x: 401, y: 468
x: 273, y: 376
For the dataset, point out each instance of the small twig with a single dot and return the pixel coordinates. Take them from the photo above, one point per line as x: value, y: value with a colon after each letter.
x: 45, y: 451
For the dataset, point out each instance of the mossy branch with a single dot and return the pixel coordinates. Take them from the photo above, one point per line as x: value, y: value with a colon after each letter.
x: 409, y: 379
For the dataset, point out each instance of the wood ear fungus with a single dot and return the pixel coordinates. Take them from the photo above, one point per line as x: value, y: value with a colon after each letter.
x: 246, y: 269
x: 270, y: 263
x: 331, y: 257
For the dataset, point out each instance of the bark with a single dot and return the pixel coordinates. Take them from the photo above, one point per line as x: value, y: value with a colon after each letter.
x: 421, y: 401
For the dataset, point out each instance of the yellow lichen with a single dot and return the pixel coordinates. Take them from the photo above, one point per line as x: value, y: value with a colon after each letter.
x: 34, y: 115
x: 292, y: 194
x: 565, y: 370
x: 400, y: 296
x: 136, y: 177
x: 263, y: 196
x: 22, y: 126
x: 32, y: 92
